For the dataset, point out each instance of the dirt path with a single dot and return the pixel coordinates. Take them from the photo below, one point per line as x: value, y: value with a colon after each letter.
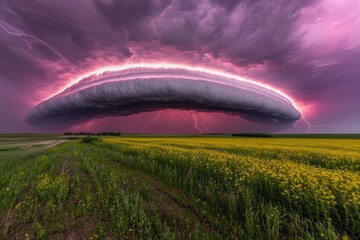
x: 38, y: 144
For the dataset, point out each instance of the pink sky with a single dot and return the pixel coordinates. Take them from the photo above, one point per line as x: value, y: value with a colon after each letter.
x: 309, y: 49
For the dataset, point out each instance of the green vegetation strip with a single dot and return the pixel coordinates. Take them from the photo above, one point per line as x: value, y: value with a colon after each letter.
x: 182, y: 188
x: 82, y: 191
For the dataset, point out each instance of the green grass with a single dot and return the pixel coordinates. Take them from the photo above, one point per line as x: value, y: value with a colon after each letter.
x: 181, y: 188
x: 81, y: 191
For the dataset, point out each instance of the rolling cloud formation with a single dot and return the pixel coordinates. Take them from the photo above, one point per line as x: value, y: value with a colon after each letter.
x: 136, y: 90
x: 309, y: 49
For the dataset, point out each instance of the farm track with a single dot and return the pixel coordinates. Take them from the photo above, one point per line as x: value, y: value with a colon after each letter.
x: 45, y: 144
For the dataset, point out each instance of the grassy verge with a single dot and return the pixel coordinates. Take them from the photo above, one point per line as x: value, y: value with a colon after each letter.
x: 81, y: 191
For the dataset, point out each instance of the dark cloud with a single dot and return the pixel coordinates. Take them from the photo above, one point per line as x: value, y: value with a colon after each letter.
x: 134, y: 91
x: 17, y: 60
x: 246, y: 32
x: 306, y: 48
x: 56, y: 28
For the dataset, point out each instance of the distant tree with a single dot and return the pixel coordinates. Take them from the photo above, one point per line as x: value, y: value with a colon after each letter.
x: 264, y: 135
x: 109, y: 134
x: 90, y: 139
x: 94, y: 134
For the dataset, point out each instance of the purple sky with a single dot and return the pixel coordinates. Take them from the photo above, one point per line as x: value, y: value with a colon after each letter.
x: 308, y: 49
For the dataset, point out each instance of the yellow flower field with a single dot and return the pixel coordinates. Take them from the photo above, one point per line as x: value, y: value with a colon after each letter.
x: 316, y: 178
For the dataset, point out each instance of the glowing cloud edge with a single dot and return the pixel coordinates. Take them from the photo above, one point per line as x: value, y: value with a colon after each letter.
x: 273, y: 102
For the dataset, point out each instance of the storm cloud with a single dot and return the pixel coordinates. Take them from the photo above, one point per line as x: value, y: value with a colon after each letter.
x: 138, y: 90
x: 309, y: 49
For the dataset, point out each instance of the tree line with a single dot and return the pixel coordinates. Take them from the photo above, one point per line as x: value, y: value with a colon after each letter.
x: 93, y: 134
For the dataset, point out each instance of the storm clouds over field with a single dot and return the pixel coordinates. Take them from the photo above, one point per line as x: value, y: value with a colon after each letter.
x: 138, y: 90
x: 309, y: 50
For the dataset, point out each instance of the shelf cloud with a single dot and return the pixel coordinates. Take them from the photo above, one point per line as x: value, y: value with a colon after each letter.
x: 309, y: 49
x: 136, y: 90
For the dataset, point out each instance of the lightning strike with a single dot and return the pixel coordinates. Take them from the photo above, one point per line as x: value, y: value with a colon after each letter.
x: 196, y: 123
x: 204, y: 126
x: 22, y: 34
x: 28, y: 44
x: 152, y: 122
x: 310, y: 125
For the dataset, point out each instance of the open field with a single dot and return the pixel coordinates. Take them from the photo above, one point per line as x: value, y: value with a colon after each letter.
x: 214, y: 187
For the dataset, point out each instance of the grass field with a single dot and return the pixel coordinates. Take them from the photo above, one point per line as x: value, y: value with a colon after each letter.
x: 216, y: 187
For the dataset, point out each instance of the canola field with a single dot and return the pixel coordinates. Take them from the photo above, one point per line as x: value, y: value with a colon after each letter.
x: 183, y: 188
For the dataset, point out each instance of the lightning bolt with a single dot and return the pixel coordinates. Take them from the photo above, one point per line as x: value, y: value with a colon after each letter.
x: 166, y: 9
x: 27, y: 42
x: 59, y: 67
x: 22, y: 34
x: 204, y: 127
x: 310, y: 125
x: 152, y: 122
x: 196, y: 124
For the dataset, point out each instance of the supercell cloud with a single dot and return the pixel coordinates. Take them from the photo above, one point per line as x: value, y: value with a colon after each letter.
x: 137, y: 90
x: 308, y: 49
